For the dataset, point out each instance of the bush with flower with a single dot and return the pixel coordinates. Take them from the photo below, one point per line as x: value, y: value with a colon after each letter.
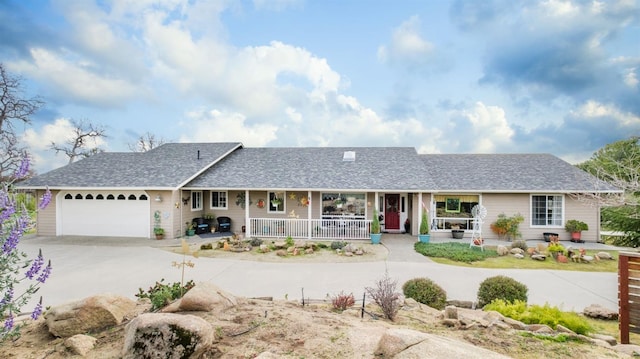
x: 15, y: 266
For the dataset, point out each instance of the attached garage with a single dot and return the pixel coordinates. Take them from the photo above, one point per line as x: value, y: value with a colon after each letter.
x: 104, y: 213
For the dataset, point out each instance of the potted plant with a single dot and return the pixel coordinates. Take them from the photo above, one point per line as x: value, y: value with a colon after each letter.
x: 276, y: 201
x: 456, y: 232
x: 407, y: 226
x: 375, y: 228
x: 424, y: 235
x: 576, y: 227
x: 191, y: 231
x: 159, y: 232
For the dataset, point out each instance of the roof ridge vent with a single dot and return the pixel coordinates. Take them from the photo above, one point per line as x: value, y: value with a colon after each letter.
x: 349, y: 156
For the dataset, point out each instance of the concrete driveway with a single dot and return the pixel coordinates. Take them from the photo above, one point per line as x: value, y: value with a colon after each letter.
x: 87, y: 266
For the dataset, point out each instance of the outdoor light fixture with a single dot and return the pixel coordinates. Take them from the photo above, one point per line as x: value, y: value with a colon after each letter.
x: 158, y: 198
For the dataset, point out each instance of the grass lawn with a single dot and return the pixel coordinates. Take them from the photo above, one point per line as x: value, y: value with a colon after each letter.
x: 450, y: 253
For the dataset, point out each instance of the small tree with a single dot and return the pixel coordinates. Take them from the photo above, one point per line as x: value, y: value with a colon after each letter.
x: 424, y: 222
x: 375, y: 223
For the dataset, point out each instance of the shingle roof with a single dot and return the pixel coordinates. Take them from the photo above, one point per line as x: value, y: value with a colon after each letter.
x: 509, y: 173
x: 374, y: 168
x: 167, y: 166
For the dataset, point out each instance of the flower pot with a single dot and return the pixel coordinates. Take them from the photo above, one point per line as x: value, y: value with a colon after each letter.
x: 576, y: 237
x: 191, y: 232
x: 375, y: 238
x: 159, y: 236
x: 457, y: 233
x: 424, y: 238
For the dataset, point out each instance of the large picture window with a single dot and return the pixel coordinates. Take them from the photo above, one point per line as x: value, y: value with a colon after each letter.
x: 454, y: 211
x: 196, y: 200
x: 546, y: 210
x: 218, y: 200
x: 344, y: 204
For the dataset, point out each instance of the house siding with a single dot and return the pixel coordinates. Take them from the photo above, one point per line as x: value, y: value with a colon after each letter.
x: 46, y: 218
x: 166, y: 209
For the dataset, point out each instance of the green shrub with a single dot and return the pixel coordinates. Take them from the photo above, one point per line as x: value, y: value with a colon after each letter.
x: 338, y: 244
x: 255, y: 242
x: 536, y: 314
x: 289, y: 242
x: 501, y: 287
x: 425, y: 291
x: 322, y: 245
x: 459, y: 252
x: 162, y: 294
x: 520, y: 244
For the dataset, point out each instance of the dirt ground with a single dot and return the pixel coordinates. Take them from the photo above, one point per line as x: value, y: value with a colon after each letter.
x: 289, y: 330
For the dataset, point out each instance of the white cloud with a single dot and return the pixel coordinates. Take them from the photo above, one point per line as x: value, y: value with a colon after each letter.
x: 407, y: 45
x: 594, y: 110
x: 65, y: 77
x: 489, y: 128
x: 219, y: 126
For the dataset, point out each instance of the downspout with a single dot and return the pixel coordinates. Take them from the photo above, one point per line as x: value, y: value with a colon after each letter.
x: 309, y: 213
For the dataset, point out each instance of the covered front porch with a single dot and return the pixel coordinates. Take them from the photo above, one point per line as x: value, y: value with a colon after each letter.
x: 338, y: 228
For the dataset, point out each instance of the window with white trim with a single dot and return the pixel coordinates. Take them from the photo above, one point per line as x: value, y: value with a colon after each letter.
x: 218, y: 200
x: 196, y: 200
x: 546, y: 210
x: 277, y: 202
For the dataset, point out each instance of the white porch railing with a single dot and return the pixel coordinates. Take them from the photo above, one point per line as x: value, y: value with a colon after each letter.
x: 310, y: 228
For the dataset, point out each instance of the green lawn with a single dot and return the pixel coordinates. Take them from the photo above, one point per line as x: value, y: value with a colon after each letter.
x: 451, y: 253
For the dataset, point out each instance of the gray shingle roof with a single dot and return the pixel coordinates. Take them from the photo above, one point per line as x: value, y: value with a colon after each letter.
x: 375, y: 168
x: 509, y: 173
x: 167, y: 166
x: 230, y: 166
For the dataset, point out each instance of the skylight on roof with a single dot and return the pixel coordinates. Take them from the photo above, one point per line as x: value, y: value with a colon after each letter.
x: 349, y: 156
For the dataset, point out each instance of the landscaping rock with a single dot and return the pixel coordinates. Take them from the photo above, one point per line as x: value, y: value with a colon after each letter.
x: 281, y: 253
x: 540, y: 329
x: 468, y: 304
x: 451, y: 312
x: 88, y: 315
x: 264, y: 248
x: 541, y: 247
x: 607, y: 338
x: 518, y: 255
x: 597, y: 311
x: 280, y: 244
x: 394, y: 341
x: 308, y: 250
x: 515, y: 324
x: 435, y: 346
x: 502, y: 250
x: 207, y: 297
x: 604, y: 255
x: 516, y: 251
x: 167, y: 335
x: 562, y: 329
x: 539, y: 257
x: 359, y: 252
x: 80, y: 344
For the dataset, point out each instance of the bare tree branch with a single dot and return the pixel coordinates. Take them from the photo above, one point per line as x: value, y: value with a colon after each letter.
x: 83, y: 143
x: 146, y: 142
x: 12, y: 105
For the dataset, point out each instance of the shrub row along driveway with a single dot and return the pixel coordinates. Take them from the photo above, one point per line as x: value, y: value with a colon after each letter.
x: 88, y: 266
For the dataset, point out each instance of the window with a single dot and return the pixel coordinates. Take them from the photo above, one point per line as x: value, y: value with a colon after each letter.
x: 196, y: 200
x: 219, y: 200
x: 344, y: 204
x: 454, y: 210
x: 546, y: 210
x: 277, y: 201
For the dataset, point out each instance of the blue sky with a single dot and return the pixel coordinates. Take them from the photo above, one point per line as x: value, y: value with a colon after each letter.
x: 465, y: 76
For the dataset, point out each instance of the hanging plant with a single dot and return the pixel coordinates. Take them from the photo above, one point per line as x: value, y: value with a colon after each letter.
x: 276, y: 201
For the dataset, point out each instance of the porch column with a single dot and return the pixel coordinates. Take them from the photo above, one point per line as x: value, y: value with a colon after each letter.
x: 309, y: 214
x: 376, y: 203
x: 420, y: 208
x: 247, y: 221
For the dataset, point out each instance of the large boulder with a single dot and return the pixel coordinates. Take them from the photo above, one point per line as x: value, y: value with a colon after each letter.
x: 88, y: 315
x: 167, y: 335
x: 599, y: 312
x: 204, y: 297
x: 394, y: 341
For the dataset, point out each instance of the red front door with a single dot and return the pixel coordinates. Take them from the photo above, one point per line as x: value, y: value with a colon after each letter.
x: 392, y: 211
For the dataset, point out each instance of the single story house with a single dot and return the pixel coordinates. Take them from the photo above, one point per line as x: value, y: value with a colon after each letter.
x: 315, y: 193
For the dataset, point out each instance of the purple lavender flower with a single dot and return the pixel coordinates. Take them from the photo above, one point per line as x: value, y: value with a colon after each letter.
x: 46, y: 198
x: 12, y: 240
x: 45, y: 273
x: 8, y: 323
x: 36, y: 265
x: 37, y: 310
x: 23, y: 171
x: 8, y: 297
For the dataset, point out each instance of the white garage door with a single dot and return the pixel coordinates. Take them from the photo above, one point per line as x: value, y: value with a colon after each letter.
x: 95, y: 213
